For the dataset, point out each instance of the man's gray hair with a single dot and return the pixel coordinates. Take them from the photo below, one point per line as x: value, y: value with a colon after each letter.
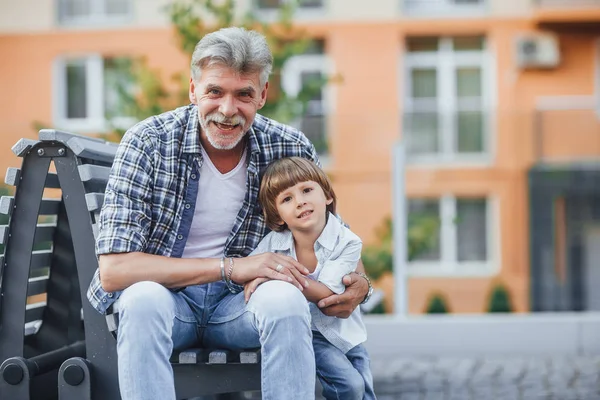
x: 242, y: 50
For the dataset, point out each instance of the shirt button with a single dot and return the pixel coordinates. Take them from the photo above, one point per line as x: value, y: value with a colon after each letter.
x: 187, y: 206
x: 110, y: 295
x: 104, y: 300
x: 193, y: 176
x: 179, y: 237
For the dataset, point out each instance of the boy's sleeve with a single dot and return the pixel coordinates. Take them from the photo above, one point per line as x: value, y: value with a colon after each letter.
x: 336, y: 268
x: 126, y: 215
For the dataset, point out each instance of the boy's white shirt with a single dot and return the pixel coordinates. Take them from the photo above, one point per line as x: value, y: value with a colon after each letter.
x: 338, y: 251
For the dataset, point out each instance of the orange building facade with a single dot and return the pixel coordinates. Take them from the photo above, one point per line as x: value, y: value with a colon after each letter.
x: 479, y: 93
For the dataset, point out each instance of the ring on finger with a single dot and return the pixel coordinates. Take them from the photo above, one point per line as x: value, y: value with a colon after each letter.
x: 279, y: 267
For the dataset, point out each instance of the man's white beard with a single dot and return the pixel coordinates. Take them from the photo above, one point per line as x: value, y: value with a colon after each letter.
x: 222, y: 142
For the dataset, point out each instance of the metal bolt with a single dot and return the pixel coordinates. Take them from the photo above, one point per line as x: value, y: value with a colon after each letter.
x: 41, y: 152
x: 61, y: 152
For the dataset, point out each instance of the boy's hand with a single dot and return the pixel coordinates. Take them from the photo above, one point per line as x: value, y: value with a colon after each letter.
x: 342, y: 305
x: 271, y: 266
x: 251, y: 286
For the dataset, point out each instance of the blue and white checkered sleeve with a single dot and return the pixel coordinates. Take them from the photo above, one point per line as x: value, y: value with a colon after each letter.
x: 126, y: 214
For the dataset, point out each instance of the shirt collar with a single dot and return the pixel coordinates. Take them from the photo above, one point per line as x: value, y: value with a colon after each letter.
x: 191, y: 135
x: 284, y: 241
x: 328, y: 238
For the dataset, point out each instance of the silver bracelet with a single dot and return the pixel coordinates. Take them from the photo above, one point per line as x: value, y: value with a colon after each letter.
x: 222, y: 266
x: 228, y: 280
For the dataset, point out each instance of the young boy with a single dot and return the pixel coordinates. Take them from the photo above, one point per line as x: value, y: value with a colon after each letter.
x: 299, y: 207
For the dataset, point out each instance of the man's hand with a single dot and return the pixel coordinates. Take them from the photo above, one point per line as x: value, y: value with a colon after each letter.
x: 342, y: 305
x: 251, y: 286
x: 269, y: 266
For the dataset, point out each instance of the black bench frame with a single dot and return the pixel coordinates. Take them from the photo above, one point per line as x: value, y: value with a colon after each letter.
x: 81, y: 361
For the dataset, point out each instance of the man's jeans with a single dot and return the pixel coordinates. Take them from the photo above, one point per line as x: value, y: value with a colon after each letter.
x: 153, y: 321
x: 343, y: 376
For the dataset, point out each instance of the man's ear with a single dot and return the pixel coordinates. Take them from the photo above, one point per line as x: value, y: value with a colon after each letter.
x: 263, y: 96
x: 192, y: 91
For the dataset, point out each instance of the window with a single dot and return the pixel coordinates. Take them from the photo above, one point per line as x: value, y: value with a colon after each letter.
x: 80, y: 12
x: 274, y: 4
x: 268, y: 10
x: 304, y: 75
x: 91, y: 93
x: 450, y: 236
x: 447, y: 99
x: 445, y: 7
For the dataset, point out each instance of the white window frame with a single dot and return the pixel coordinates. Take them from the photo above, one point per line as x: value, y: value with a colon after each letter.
x: 445, y: 62
x: 97, y: 16
x: 448, y: 264
x: 95, y: 122
x: 443, y: 8
x: 291, y: 82
x: 301, y: 14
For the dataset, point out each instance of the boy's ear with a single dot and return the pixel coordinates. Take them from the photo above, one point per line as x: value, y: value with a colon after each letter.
x: 329, y: 201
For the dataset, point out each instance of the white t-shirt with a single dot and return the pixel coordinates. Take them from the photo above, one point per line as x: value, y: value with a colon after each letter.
x: 220, y: 198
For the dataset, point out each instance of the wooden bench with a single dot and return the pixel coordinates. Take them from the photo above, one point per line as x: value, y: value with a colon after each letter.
x: 55, y: 345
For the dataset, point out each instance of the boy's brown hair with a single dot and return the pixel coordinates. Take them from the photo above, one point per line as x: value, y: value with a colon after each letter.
x: 285, y: 173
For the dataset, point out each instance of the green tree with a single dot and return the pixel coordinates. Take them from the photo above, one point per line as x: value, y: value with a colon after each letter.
x: 421, y: 236
x: 191, y: 20
x: 499, y: 301
x: 437, y: 304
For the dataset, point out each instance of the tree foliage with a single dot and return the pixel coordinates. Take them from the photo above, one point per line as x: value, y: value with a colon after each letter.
x: 191, y: 20
x: 421, y: 236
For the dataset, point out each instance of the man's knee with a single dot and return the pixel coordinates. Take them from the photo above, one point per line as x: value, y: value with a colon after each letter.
x: 146, y: 301
x: 277, y: 299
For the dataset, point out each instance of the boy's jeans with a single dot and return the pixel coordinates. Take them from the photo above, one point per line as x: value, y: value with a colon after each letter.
x: 343, y: 376
x: 154, y: 321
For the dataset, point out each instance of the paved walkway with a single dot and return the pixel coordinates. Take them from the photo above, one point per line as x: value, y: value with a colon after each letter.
x: 510, y: 378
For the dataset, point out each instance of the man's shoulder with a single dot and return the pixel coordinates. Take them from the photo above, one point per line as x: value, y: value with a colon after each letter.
x: 163, y: 127
x: 269, y: 130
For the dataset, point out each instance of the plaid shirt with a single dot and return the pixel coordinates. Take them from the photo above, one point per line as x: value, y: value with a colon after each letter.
x: 151, y: 194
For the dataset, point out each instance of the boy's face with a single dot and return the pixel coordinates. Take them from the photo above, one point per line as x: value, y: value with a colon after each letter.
x: 303, y: 207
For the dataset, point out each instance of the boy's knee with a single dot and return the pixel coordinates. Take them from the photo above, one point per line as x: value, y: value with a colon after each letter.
x: 277, y: 299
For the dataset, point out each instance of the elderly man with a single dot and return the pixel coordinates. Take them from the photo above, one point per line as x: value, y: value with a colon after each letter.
x: 180, y: 218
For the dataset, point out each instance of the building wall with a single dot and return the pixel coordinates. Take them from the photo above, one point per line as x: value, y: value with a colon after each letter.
x: 365, y: 44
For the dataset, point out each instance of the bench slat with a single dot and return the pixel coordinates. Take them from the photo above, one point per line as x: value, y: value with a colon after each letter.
x: 44, y: 233
x: 94, y: 201
x: 250, y: 357
x: 47, y: 206
x: 94, y: 173
x: 23, y: 146
x: 34, y: 311
x: 13, y: 175
x: 98, y: 151
x: 37, y: 285
x: 193, y: 356
x: 55, y: 135
x: 40, y: 259
x: 220, y: 357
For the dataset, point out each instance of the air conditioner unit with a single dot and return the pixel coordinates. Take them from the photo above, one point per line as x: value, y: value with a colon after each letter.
x: 537, y: 51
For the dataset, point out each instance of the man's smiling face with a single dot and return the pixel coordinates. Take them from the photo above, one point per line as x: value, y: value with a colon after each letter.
x: 227, y: 104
